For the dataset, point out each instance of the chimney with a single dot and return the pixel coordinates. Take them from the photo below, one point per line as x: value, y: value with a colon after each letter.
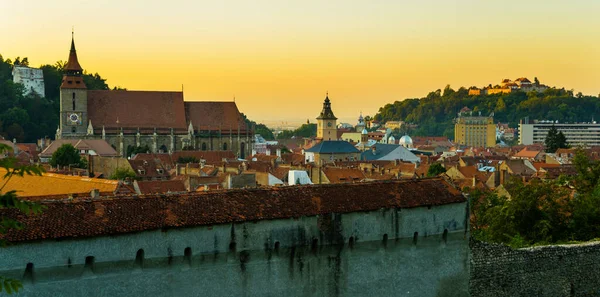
x: 474, y: 182
x: 278, y: 152
x: 396, y: 161
x: 374, y: 149
x: 176, y: 169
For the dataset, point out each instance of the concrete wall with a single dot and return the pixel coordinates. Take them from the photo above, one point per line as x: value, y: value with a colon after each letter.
x: 565, y: 270
x: 373, y: 253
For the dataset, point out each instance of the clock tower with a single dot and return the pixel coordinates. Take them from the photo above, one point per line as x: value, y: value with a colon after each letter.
x: 73, y: 99
x: 326, y: 123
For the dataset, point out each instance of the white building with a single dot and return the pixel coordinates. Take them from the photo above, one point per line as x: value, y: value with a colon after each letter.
x: 31, y: 78
x: 577, y: 134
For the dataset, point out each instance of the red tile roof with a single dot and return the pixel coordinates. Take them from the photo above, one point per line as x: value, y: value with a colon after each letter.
x: 212, y: 115
x: 108, y: 216
x: 161, y: 186
x: 136, y: 109
x: 343, y: 175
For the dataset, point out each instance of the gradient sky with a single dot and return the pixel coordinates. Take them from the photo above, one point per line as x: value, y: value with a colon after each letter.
x: 280, y: 57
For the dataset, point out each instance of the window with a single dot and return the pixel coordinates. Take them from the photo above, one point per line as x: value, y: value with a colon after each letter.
x: 73, y: 130
x: 73, y: 100
x: 225, y: 146
x: 204, y: 146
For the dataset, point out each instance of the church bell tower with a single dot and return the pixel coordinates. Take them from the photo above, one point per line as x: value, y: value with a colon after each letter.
x: 326, y: 122
x: 73, y: 99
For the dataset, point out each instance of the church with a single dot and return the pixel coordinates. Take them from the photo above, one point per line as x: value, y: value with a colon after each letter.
x: 161, y: 120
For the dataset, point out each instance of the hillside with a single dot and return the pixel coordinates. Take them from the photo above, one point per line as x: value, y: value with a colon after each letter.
x: 434, y: 113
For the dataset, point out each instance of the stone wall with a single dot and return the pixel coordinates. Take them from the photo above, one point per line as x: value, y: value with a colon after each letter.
x: 563, y: 270
x: 420, y: 251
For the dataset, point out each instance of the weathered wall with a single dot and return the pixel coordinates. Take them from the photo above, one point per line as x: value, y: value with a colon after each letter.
x: 565, y: 270
x: 419, y: 251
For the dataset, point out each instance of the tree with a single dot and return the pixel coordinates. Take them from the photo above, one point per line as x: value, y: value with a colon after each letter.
x: 9, y: 200
x: 185, y: 160
x: 134, y: 150
x: 555, y: 140
x: 66, y: 155
x: 123, y: 173
x: 435, y: 169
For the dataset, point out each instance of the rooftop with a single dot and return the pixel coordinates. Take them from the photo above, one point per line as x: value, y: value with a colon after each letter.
x: 117, y: 215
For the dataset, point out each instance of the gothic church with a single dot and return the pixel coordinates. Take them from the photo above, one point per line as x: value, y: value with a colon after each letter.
x: 163, y: 121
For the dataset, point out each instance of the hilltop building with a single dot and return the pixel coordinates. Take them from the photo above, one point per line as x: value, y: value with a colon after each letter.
x: 161, y: 120
x: 507, y: 86
x: 31, y: 78
x: 477, y: 131
x: 577, y: 134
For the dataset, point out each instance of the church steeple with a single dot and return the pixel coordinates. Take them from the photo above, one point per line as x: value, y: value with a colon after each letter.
x: 73, y: 73
x: 73, y: 67
x: 326, y: 122
x: 326, y: 113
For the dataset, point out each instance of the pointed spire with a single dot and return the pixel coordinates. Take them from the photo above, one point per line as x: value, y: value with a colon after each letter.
x: 73, y: 66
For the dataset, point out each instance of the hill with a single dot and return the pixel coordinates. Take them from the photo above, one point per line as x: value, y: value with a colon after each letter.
x: 434, y: 113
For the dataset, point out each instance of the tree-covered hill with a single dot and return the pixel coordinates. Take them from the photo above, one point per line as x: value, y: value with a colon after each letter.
x: 434, y: 113
x: 31, y: 117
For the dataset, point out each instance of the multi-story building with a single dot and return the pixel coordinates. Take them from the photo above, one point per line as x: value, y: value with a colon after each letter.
x: 31, y: 78
x: 477, y: 131
x: 577, y: 134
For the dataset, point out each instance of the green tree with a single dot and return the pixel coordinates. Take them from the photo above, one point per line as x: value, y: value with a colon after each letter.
x: 185, y: 160
x: 66, y: 155
x: 122, y: 174
x: 435, y: 169
x: 555, y: 140
x: 9, y: 200
x: 134, y: 150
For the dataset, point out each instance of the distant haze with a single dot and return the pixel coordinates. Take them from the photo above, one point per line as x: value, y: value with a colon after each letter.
x: 279, y: 58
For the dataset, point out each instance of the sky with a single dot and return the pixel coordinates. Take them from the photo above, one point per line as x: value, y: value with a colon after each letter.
x: 279, y: 58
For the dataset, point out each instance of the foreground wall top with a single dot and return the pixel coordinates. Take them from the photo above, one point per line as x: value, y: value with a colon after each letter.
x: 116, y: 215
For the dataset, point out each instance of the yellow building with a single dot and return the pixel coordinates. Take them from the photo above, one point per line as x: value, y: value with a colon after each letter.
x: 394, y: 124
x: 476, y: 131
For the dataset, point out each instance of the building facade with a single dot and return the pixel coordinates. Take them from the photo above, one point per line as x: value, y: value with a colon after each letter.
x: 577, y: 134
x: 31, y: 78
x: 477, y: 131
x: 163, y: 121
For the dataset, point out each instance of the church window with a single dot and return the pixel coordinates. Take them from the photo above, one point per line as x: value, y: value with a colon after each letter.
x: 225, y: 146
x: 73, y: 100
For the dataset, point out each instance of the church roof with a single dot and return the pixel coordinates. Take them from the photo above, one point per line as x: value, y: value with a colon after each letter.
x: 333, y: 147
x: 214, y: 115
x: 136, y: 109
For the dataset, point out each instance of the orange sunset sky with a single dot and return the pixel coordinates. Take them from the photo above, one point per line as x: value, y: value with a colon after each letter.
x: 280, y: 57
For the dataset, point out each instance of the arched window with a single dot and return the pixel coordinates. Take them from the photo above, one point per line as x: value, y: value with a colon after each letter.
x: 139, y: 258
x: 243, y: 150
x: 225, y: 146
x: 73, y: 100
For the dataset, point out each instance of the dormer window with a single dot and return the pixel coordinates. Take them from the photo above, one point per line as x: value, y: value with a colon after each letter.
x: 142, y: 171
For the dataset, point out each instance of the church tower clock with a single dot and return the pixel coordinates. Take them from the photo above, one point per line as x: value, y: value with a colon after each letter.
x: 326, y: 123
x: 73, y: 99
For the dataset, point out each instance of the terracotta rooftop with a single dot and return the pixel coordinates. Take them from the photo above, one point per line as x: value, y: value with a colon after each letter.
x: 160, y: 186
x: 207, y: 115
x: 136, y: 109
x: 101, y: 147
x: 108, y: 216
